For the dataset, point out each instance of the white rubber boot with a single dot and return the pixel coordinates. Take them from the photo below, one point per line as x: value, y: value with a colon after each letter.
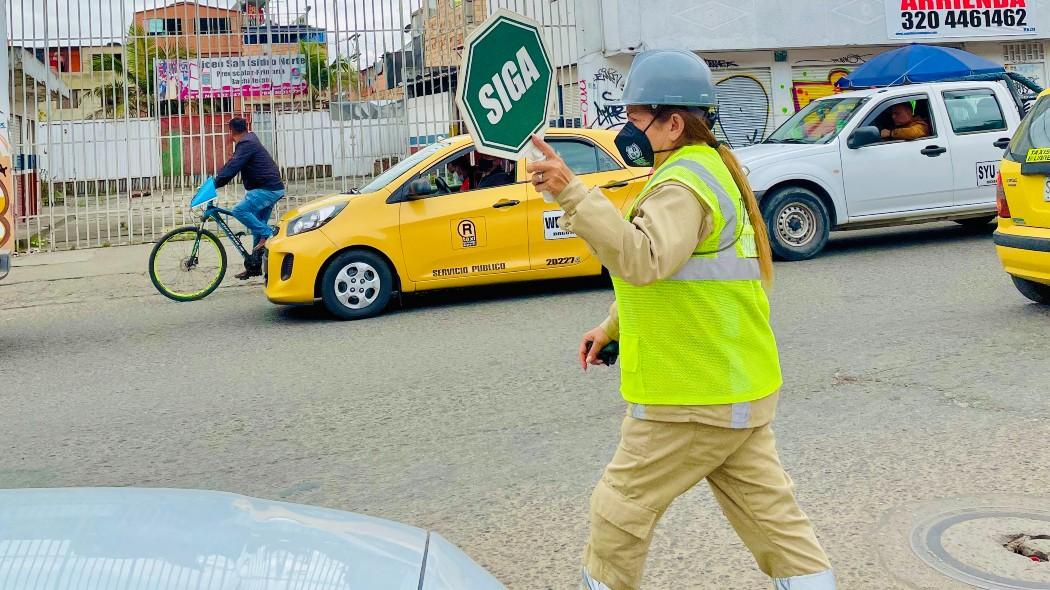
x: 821, y: 581
x: 590, y: 583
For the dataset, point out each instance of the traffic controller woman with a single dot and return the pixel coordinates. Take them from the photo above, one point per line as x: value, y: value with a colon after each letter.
x: 700, y: 371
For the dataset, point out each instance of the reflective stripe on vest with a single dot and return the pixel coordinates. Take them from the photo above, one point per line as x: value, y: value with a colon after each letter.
x: 719, y: 269
x: 727, y: 264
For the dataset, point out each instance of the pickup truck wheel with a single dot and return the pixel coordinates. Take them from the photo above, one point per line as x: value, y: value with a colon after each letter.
x: 1037, y: 292
x: 798, y: 223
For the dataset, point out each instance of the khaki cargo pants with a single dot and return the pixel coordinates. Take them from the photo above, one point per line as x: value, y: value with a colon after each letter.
x: 658, y: 461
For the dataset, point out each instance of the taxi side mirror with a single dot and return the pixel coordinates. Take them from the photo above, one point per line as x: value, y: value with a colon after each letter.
x: 419, y: 188
x: 864, y: 136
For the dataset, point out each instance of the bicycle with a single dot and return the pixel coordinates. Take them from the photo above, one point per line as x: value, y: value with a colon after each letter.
x: 189, y: 262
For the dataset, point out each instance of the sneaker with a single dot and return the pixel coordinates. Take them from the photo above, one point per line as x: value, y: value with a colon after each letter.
x: 244, y: 276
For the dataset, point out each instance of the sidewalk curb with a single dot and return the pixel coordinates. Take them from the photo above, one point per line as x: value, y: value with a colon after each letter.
x: 74, y: 278
x: 78, y: 276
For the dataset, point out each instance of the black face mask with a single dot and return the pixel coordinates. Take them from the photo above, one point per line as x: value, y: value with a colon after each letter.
x: 635, y: 147
x: 711, y: 116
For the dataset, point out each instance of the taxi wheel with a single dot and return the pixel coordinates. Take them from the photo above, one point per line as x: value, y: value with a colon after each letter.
x: 798, y: 223
x: 1037, y: 292
x: 357, y: 285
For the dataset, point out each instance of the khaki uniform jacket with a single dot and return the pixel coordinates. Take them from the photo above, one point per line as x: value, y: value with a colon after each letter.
x: 669, y: 224
x: 914, y: 130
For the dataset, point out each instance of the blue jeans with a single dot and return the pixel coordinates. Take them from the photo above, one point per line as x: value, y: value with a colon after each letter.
x: 254, y: 212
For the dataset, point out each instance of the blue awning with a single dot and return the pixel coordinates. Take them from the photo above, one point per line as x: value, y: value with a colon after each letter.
x: 916, y: 64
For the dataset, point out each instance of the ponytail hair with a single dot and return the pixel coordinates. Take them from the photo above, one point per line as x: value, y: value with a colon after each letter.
x: 697, y: 132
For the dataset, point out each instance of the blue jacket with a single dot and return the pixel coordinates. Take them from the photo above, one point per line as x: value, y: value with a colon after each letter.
x: 253, y: 162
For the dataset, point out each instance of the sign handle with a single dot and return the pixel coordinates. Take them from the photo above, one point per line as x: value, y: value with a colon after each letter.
x: 531, y: 152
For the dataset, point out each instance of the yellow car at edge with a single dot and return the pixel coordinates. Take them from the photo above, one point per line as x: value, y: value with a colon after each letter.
x: 446, y: 216
x: 1023, y: 201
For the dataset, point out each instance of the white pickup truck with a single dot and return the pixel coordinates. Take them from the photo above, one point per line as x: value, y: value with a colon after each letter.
x: 831, y: 165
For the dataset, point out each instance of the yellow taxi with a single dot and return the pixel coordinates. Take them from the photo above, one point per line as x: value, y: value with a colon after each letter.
x: 446, y: 216
x: 1023, y: 201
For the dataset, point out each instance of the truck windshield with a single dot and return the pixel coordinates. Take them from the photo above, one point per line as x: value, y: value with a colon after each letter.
x: 404, y: 166
x: 819, y: 122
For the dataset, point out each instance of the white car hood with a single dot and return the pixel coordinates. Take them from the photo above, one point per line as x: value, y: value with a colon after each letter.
x: 763, y: 152
x: 160, y: 539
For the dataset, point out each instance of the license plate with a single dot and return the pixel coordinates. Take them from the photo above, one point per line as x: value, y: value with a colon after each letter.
x: 1046, y: 190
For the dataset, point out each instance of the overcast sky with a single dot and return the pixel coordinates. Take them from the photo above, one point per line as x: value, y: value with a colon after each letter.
x: 97, y: 22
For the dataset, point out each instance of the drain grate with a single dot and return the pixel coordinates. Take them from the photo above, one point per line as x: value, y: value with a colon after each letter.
x: 1027, y: 546
x: 967, y: 545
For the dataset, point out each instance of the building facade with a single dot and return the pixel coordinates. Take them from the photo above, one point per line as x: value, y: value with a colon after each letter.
x: 246, y: 30
x: 197, y: 28
x: 770, y: 59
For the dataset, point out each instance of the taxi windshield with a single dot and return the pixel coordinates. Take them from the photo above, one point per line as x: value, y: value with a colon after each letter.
x: 818, y: 122
x: 403, y: 166
x: 1034, y: 132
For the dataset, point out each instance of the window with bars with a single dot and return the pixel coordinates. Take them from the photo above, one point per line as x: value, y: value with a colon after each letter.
x: 1023, y: 52
x: 164, y: 26
x: 213, y: 26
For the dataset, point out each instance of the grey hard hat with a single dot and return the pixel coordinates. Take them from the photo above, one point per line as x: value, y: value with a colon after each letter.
x: 669, y: 77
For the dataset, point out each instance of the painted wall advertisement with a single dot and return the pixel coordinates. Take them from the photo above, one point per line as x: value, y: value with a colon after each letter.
x: 7, y: 234
x: 227, y: 77
x: 924, y: 19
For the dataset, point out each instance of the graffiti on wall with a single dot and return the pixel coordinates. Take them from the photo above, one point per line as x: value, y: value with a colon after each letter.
x: 744, y: 108
x: 744, y: 93
x: 606, y: 90
x: 806, y: 91
x: 850, y: 59
x: 7, y: 234
x: 584, y: 104
x: 721, y: 64
x: 745, y: 103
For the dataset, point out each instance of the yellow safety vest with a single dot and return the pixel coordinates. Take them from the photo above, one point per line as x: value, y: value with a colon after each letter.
x: 701, y: 336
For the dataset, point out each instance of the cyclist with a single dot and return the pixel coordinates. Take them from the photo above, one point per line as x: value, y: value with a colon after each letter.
x: 262, y: 181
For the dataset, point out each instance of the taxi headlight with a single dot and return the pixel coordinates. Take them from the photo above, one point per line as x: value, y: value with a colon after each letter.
x: 312, y: 220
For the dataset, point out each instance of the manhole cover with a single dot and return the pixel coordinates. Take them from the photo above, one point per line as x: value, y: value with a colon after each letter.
x: 969, y: 546
x: 964, y: 543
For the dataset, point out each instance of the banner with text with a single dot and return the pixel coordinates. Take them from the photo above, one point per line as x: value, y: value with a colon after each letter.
x: 926, y: 19
x: 227, y: 77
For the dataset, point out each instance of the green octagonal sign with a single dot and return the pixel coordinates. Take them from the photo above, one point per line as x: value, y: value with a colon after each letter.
x: 505, y: 84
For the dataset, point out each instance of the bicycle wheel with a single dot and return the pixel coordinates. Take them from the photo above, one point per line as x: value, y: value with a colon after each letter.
x: 185, y: 269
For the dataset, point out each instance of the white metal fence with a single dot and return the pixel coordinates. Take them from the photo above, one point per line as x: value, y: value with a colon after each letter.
x: 119, y: 106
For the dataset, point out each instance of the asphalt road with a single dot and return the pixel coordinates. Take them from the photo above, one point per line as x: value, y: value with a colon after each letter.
x: 913, y: 371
